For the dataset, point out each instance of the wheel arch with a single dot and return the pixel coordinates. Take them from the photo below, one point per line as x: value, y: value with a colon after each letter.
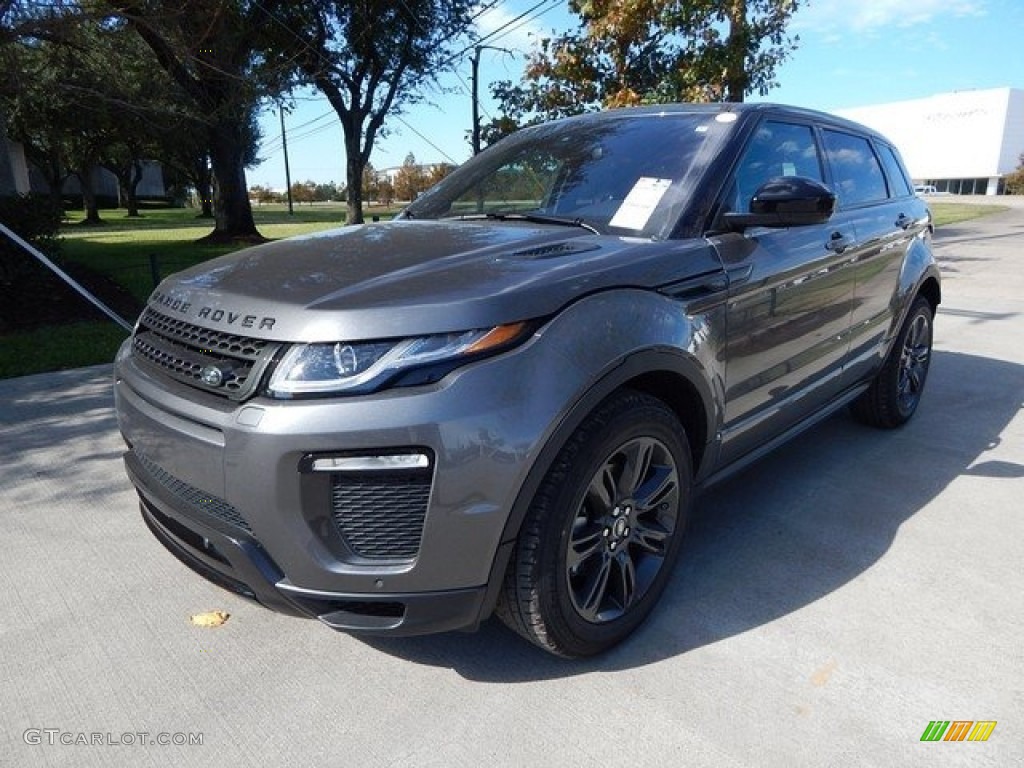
x: 931, y: 290
x: 672, y: 377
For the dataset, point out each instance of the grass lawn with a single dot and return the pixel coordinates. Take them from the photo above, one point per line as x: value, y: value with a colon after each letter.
x: 951, y: 213
x: 123, y: 247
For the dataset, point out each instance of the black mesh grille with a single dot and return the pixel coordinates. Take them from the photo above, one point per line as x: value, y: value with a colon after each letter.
x: 182, y: 350
x: 381, y: 516
x: 192, y: 497
x: 226, y: 344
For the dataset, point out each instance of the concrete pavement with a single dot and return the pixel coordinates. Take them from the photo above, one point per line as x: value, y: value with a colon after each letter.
x: 831, y: 601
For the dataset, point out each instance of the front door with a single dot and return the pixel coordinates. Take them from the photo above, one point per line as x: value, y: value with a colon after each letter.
x: 790, y: 300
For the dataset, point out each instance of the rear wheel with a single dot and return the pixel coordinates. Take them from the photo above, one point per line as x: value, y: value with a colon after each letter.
x: 603, y: 531
x: 895, y: 393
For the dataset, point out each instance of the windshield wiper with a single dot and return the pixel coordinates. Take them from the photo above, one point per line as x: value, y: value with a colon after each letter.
x: 536, y: 218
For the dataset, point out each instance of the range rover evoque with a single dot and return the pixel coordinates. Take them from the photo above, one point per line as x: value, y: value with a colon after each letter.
x: 505, y: 400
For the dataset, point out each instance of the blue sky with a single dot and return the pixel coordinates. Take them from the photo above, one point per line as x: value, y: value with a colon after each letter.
x: 851, y: 53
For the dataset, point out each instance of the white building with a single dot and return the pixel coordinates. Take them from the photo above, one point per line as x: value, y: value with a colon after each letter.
x: 963, y: 142
x: 13, y: 168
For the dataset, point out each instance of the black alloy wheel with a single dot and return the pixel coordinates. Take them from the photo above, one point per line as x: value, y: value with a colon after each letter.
x: 618, y: 535
x: 603, y: 531
x: 896, y: 390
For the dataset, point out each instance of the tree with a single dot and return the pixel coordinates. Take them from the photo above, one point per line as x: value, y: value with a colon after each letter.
x: 652, y: 51
x: 439, y: 172
x: 370, y: 58
x: 385, y: 193
x: 136, y: 80
x: 35, y: 115
x: 369, y: 183
x: 262, y: 194
x: 184, y: 153
x: 211, y: 49
x: 145, y: 107
x: 52, y: 106
x: 325, y: 193
x: 410, y: 179
x: 304, y: 191
x: 1015, y: 180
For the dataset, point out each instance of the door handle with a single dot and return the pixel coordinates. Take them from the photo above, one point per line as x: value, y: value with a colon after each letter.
x: 738, y: 275
x: 838, y: 242
x: 904, y: 221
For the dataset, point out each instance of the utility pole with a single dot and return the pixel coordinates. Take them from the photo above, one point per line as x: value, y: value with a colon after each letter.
x: 287, y: 172
x: 476, y: 99
x: 476, y: 91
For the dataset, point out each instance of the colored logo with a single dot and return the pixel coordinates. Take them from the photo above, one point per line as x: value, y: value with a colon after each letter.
x: 958, y: 730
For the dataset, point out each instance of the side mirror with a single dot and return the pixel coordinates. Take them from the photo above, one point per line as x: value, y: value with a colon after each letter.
x: 785, y: 201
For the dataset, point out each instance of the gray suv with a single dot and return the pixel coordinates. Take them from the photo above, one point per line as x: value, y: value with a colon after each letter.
x: 505, y: 400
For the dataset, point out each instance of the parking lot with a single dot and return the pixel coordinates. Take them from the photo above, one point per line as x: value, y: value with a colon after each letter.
x: 831, y: 601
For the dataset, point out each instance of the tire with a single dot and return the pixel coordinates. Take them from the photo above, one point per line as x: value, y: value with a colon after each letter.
x: 896, y: 391
x: 601, y: 536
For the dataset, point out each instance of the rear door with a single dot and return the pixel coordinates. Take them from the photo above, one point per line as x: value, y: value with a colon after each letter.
x: 878, y: 200
x: 790, y: 298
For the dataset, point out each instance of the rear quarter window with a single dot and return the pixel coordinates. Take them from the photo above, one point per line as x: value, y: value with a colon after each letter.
x: 899, y: 184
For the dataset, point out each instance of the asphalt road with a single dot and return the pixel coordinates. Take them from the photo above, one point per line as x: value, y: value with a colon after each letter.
x: 831, y: 602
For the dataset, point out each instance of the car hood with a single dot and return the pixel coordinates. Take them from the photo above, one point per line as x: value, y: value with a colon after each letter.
x: 416, y: 277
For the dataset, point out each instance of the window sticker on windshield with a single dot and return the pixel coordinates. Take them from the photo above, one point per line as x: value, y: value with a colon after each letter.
x: 788, y: 169
x: 640, y: 203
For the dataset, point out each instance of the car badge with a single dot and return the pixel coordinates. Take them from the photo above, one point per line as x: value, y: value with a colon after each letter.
x: 212, y: 376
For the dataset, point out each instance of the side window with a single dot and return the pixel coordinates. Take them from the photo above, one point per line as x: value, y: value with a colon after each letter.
x: 777, y: 149
x: 899, y: 186
x: 856, y: 171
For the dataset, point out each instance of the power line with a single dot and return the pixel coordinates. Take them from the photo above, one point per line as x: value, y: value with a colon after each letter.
x: 271, y: 144
x: 502, y: 29
x: 404, y: 122
x: 524, y: 22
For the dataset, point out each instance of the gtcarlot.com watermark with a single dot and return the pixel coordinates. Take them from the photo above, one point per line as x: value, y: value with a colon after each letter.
x: 57, y: 736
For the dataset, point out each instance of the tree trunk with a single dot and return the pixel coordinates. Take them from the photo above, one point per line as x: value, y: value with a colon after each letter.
x: 205, y: 192
x: 92, y: 212
x: 131, y: 201
x: 354, y: 171
x: 200, y: 176
x: 736, y: 77
x: 131, y: 189
x: 56, y: 194
x: 232, y: 212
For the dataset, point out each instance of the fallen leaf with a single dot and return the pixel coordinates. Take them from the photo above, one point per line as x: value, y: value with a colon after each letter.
x: 821, y: 676
x: 209, y: 619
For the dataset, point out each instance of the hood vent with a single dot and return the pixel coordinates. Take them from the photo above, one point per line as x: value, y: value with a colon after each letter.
x: 554, y: 250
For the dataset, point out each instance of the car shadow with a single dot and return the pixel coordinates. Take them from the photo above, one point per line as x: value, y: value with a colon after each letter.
x: 45, y: 410
x: 796, y: 526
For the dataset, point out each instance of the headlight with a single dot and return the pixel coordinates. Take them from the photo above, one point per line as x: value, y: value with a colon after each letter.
x: 364, y: 366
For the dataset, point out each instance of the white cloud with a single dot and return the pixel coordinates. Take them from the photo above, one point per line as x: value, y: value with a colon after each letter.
x: 834, y: 16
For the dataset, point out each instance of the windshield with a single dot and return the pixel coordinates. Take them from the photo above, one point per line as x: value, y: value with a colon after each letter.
x: 631, y: 174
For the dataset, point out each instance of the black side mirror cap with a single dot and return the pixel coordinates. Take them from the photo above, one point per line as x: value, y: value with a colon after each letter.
x: 785, y: 201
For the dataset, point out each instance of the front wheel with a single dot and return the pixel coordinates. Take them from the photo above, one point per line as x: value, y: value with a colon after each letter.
x: 895, y: 393
x: 603, y: 531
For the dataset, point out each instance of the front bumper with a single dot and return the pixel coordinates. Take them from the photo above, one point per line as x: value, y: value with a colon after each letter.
x: 240, y: 564
x: 228, y: 489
